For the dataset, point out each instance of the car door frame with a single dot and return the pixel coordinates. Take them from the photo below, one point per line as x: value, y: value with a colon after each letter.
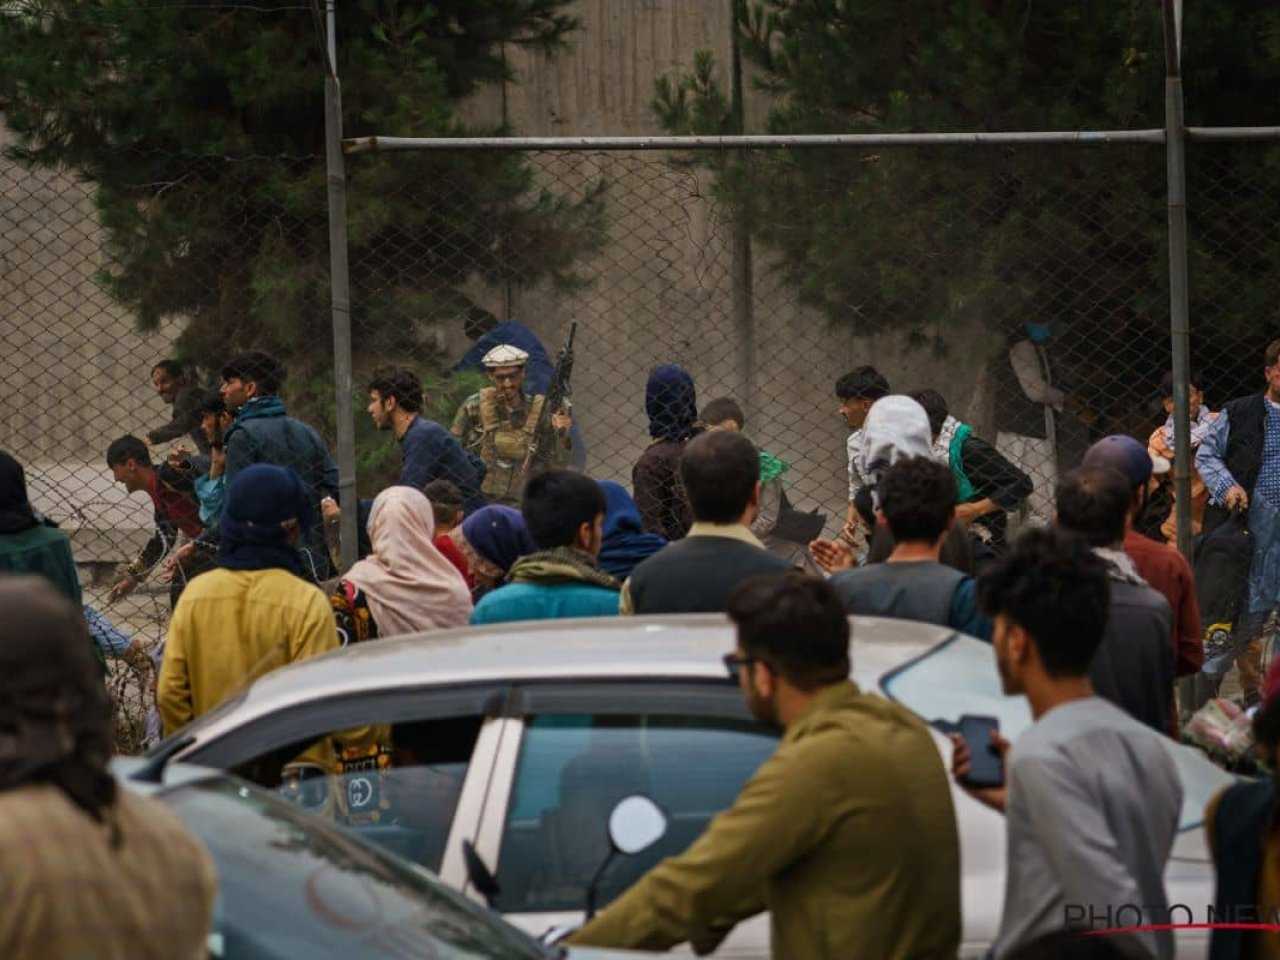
x: 712, y: 697
x: 401, y: 704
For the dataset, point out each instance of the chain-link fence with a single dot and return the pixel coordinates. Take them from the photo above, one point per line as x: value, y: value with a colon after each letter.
x: 766, y: 274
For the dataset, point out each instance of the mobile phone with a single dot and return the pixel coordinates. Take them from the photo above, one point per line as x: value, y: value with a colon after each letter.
x: 986, y: 767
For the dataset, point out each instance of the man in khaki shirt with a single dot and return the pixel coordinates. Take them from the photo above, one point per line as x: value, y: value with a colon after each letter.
x: 846, y: 835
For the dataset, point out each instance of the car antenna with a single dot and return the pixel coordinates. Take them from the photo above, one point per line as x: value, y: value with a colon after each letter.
x: 153, y: 770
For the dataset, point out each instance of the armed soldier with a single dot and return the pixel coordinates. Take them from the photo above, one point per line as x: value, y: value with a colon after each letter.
x: 516, y: 433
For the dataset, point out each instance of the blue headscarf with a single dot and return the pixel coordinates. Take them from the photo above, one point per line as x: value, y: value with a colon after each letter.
x: 625, y: 541
x: 499, y: 535
x: 671, y: 403
x: 259, y: 500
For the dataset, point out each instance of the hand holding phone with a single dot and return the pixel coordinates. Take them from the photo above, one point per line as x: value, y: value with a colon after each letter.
x: 977, y: 761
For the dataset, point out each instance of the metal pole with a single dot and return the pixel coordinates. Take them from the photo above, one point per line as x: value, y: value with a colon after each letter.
x: 742, y: 279
x: 340, y: 293
x: 1179, y: 305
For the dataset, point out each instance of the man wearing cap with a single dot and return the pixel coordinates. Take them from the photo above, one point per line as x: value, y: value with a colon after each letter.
x: 1239, y: 459
x: 1163, y: 567
x: 500, y: 423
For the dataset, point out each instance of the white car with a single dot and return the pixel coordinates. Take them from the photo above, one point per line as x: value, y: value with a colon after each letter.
x: 520, y: 738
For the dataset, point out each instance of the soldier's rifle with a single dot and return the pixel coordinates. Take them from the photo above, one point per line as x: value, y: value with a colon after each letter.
x: 558, y: 397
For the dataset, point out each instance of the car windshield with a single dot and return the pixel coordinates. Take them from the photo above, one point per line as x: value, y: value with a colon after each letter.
x: 291, y: 885
x: 959, y: 676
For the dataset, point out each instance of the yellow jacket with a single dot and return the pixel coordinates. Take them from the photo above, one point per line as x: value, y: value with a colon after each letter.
x: 232, y: 626
x: 847, y: 835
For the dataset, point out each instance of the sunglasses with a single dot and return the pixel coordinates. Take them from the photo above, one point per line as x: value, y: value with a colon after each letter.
x: 732, y: 663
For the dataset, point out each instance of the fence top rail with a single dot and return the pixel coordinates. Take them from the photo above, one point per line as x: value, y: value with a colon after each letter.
x: 1233, y: 133
x: 380, y: 144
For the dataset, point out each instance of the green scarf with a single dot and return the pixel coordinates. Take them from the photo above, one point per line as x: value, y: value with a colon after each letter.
x: 964, y: 486
x: 561, y: 565
x: 771, y: 468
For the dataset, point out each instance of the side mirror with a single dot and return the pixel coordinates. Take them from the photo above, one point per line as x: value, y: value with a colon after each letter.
x: 478, y: 873
x: 635, y: 824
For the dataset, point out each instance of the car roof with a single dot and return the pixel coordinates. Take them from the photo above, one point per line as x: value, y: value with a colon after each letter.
x: 674, y: 647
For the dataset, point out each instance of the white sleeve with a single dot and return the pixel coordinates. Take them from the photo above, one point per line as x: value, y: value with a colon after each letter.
x: 1026, y: 367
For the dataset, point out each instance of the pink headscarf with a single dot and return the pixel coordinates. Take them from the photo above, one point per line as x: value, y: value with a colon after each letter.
x: 408, y: 583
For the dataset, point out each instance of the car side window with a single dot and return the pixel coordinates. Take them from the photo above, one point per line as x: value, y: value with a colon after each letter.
x: 573, y: 769
x: 396, y: 785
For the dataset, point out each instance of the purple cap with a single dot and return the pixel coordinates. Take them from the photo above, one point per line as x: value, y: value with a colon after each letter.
x: 1128, y: 456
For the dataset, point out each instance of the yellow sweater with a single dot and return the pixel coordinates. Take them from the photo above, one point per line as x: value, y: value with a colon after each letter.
x: 231, y: 627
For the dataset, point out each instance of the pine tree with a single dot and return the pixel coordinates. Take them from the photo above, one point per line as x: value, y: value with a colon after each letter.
x: 201, y: 126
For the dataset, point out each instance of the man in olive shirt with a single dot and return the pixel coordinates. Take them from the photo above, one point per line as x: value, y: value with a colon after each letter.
x: 846, y: 835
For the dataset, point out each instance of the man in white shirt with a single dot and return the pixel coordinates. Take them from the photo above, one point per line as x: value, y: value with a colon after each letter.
x: 1091, y: 797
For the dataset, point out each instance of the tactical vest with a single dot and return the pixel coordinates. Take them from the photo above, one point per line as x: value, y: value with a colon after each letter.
x: 504, y: 446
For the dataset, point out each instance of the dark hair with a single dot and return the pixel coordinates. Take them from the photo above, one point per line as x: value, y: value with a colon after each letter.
x: 1052, y: 585
x: 935, y: 405
x: 173, y: 368
x: 128, y: 448
x: 556, y: 503
x: 1272, y: 355
x: 400, y: 383
x: 256, y: 367
x: 1166, y: 383
x: 864, y: 383
x: 722, y: 409
x: 1093, y: 502
x: 446, y: 500
x: 795, y: 623
x: 918, y: 499
x: 212, y: 404
x: 719, y: 471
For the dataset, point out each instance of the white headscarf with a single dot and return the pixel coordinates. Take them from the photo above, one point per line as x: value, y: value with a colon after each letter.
x: 896, y: 427
x: 409, y: 584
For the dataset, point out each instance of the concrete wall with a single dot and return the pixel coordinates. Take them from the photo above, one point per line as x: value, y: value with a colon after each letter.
x: 662, y: 290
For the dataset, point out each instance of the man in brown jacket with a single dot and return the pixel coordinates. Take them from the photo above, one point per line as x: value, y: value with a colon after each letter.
x: 846, y: 835
x: 90, y: 870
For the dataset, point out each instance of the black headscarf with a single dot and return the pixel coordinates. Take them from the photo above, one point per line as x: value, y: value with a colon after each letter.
x: 55, y: 715
x: 260, y: 500
x: 671, y: 403
x: 16, y: 514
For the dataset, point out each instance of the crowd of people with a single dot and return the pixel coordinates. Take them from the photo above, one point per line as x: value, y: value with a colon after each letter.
x: 847, y: 835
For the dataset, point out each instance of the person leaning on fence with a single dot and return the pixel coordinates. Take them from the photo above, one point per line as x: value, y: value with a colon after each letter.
x: 405, y: 585
x: 564, y: 512
x: 1161, y: 444
x: 175, y: 386
x: 500, y: 425
x: 91, y: 869
x: 1239, y: 459
x: 720, y: 473
x: 857, y: 390
x: 671, y: 404
x: 1091, y: 797
x: 988, y: 485
x: 846, y: 835
x: 176, y: 510
x: 1160, y: 565
x: 262, y: 432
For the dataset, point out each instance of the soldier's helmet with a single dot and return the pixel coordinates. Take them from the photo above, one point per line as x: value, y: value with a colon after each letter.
x: 504, y: 355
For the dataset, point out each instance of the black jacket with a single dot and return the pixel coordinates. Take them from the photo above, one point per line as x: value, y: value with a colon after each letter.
x: 697, y: 574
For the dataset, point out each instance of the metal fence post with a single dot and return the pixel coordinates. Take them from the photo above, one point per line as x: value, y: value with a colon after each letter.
x: 340, y: 287
x: 1179, y: 309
